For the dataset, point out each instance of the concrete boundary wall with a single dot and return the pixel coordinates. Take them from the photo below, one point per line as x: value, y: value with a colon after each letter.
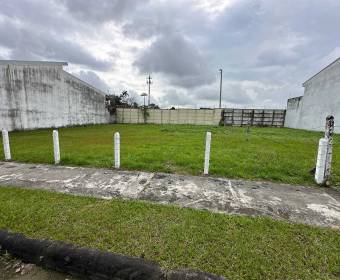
x: 42, y: 95
x: 293, y: 111
x: 166, y: 116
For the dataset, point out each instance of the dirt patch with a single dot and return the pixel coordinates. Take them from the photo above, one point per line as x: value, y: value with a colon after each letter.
x: 13, y: 269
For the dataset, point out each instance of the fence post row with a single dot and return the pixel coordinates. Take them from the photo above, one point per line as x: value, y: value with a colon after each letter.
x: 5, y: 142
x: 207, y: 153
x: 117, y: 149
x: 56, y: 148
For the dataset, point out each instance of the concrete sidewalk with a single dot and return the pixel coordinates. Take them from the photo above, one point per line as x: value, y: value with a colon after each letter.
x: 309, y: 205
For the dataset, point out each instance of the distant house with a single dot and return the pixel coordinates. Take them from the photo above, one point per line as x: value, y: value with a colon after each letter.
x: 40, y: 94
x: 321, y: 98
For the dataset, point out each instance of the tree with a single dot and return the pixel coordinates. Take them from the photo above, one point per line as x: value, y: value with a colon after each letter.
x: 123, y: 100
x: 153, y: 106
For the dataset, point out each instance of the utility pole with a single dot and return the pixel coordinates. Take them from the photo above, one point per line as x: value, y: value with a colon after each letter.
x: 220, y: 89
x: 149, y: 82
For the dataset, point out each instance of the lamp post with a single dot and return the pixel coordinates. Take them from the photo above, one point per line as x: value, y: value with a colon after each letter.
x: 144, y: 95
x: 220, y: 89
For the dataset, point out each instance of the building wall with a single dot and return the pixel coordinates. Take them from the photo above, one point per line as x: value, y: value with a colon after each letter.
x: 164, y: 116
x: 293, y: 111
x: 321, y: 98
x: 44, y: 95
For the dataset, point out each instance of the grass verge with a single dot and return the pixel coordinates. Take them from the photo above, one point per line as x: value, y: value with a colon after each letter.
x: 234, y: 246
x: 276, y: 154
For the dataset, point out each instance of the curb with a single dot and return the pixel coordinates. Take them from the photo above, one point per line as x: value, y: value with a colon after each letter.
x: 89, y: 263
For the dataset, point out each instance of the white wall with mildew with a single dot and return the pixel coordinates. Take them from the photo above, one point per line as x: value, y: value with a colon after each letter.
x: 321, y: 98
x: 44, y: 95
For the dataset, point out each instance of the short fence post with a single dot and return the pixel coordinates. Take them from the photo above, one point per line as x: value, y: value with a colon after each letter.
x: 56, y: 149
x: 117, y: 149
x: 329, y: 135
x: 5, y: 142
x: 321, y: 161
x: 207, y: 153
x: 324, y: 159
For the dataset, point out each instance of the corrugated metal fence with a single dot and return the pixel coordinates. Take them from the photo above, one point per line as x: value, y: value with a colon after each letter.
x: 254, y: 117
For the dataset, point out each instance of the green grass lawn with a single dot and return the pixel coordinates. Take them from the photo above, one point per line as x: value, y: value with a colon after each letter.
x: 234, y: 246
x: 277, y: 154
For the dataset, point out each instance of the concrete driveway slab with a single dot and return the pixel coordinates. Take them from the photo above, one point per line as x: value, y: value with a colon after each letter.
x: 300, y: 204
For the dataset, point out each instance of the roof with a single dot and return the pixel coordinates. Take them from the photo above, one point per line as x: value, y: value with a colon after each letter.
x: 335, y: 61
x: 25, y: 62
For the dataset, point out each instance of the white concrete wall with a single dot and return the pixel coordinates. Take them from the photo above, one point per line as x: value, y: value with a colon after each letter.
x: 321, y: 98
x: 44, y: 95
x: 164, y: 116
x: 293, y: 111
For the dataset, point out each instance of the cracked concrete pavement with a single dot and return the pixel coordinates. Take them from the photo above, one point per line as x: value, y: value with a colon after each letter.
x: 300, y: 204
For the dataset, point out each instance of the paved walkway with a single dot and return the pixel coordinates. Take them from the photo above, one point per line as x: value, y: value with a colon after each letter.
x: 309, y: 205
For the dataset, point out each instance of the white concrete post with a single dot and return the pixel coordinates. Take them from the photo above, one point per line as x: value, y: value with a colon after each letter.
x: 321, y: 161
x: 117, y: 149
x: 207, y: 153
x: 5, y: 142
x: 56, y: 148
x: 328, y: 167
x: 329, y: 136
x: 324, y: 159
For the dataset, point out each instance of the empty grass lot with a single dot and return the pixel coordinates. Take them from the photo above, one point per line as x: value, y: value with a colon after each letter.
x: 234, y: 246
x: 276, y: 154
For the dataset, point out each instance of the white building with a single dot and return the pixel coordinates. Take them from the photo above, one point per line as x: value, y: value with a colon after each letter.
x: 321, y: 98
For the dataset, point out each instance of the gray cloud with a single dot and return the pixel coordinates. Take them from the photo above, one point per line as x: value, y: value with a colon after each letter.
x: 232, y: 93
x: 144, y: 28
x: 93, y: 79
x: 275, y: 57
x: 48, y: 15
x: 266, y: 48
x: 164, y: 18
x: 179, y: 59
x: 245, y: 94
x: 30, y: 44
x: 175, y: 97
x: 101, y: 10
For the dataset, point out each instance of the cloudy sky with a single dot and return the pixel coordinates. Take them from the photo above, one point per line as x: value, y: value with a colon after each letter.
x: 266, y: 48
